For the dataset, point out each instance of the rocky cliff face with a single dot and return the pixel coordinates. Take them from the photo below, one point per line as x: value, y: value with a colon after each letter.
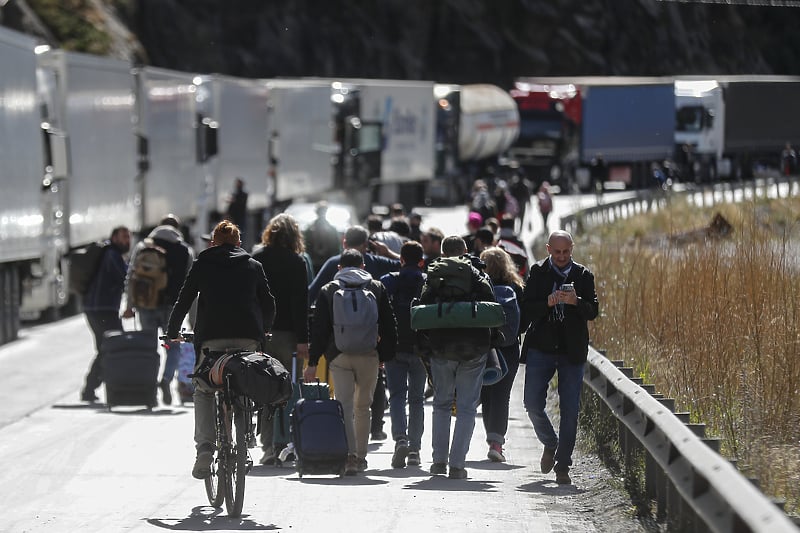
x: 446, y: 40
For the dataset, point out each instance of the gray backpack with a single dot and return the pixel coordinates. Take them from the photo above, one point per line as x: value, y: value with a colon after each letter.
x: 355, y: 319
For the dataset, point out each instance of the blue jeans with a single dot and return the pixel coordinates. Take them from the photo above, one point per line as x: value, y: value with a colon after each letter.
x: 540, y: 369
x: 406, y: 378
x: 495, y: 398
x: 159, y: 318
x: 462, y: 381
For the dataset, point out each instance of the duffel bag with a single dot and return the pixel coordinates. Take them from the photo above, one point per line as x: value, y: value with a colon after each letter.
x: 457, y: 315
x: 257, y: 375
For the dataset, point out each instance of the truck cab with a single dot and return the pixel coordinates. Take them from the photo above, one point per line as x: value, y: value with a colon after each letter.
x: 700, y: 129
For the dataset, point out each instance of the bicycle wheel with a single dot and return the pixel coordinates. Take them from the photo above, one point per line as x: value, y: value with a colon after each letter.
x: 215, y: 487
x: 236, y: 465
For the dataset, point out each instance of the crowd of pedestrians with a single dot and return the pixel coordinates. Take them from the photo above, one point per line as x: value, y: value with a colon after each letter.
x: 402, y: 263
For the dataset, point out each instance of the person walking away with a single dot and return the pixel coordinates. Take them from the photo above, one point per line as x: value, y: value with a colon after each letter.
x: 378, y: 260
x: 235, y: 310
x: 237, y: 206
x: 321, y: 238
x: 167, y: 240
x: 508, y: 287
x: 282, y: 260
x: 545, y: 200
x: 788, y: 160
x: 509, y: 241
x: 101, y: 303
x: 558, y: 302
x: 521, y: 189
x: 458, y: 356
x: 405, y: 374
x: 352, y: 314
x: 414, y: 223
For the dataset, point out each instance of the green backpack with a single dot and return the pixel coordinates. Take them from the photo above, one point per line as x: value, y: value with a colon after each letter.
x: 449, y: 280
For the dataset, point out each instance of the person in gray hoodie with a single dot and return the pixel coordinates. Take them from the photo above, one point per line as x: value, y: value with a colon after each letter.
x: 179, y: 255
x: 355, y: 374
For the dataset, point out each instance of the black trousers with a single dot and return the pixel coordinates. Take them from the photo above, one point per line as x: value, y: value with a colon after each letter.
x: 100, y: 322
x: 378, y: 402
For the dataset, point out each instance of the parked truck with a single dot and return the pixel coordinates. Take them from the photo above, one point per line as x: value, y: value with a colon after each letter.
x: 89, y: 143
x: 579, y: 131
x: 549, y: 134
x: 732, y: 126
x: 475, y: 124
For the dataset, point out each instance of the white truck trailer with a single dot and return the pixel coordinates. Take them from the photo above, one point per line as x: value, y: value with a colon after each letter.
x: 22, y: 224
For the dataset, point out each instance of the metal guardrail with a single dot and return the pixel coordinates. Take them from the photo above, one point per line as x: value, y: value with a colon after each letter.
x: 694, y: 487
x: 651, y: 200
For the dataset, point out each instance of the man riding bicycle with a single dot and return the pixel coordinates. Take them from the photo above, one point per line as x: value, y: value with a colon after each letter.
x: 235, y: 309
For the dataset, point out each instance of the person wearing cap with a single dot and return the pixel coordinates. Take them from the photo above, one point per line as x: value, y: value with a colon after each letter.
x: 167, y: 236
x: 474, y: 223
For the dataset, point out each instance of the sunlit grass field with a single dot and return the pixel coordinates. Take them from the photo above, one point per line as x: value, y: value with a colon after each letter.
x: 714, y: 323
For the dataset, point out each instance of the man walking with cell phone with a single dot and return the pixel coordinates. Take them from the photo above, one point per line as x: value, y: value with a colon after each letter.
x: 558, y: 302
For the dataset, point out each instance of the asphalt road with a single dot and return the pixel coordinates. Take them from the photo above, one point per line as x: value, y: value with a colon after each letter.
x: 69, y: 466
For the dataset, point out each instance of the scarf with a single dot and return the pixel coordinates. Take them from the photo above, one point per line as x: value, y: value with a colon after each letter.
x: 561, y: 278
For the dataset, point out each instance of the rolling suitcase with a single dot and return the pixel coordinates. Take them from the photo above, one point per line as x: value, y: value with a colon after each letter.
x: 318, y: 434
x: 281, y: 433
x: 130, y: 367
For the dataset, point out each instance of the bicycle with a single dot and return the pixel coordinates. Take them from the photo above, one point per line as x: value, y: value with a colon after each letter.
x: 235, y: 434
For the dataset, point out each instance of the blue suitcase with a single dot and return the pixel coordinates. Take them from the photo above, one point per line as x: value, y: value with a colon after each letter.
x: 281, y: 432
x: 318, y: 435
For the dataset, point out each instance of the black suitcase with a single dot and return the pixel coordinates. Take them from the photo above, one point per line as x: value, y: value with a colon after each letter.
x: 130, y: 367
x: 318, y: 435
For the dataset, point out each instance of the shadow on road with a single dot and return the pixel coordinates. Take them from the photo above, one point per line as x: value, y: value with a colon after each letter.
x: 550, y: 488
x: 205, y: 518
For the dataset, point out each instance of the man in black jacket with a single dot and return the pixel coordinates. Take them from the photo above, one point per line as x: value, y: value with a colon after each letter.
x: 235, y: 309
x: 558, y: 301
x: 354, y: 374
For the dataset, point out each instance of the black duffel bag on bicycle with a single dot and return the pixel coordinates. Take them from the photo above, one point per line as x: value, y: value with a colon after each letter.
x: 257, y: 375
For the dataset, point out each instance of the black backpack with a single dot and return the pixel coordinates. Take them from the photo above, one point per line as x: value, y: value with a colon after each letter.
x: 406, y: 290
x: 84, y: 264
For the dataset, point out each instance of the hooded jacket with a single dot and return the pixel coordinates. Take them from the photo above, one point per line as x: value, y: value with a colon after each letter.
x: 322, y: 340
x: 179, y: 261
x: 568, y: 337
x: 234, y: 300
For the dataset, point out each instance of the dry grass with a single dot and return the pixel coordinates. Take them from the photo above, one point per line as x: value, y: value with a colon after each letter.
x: 714, y: 324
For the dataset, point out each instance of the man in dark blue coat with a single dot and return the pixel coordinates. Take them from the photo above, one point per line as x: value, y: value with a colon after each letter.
x: 101, y: 302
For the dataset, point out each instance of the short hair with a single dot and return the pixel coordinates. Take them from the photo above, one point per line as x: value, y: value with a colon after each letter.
x: 400, y: 226
x: 411, y: 252
x: 397, y: 209
x: 170, y: 220
x: 485, y: 235
x: 226, y: 232
x: 351, y: 258
x: 374, y: 223
x: 355, y: 236
x: 283, y: 231
x: 507, y: 221
x: 453, y: 246
x: 117, y: 230
x: 434, y: 234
